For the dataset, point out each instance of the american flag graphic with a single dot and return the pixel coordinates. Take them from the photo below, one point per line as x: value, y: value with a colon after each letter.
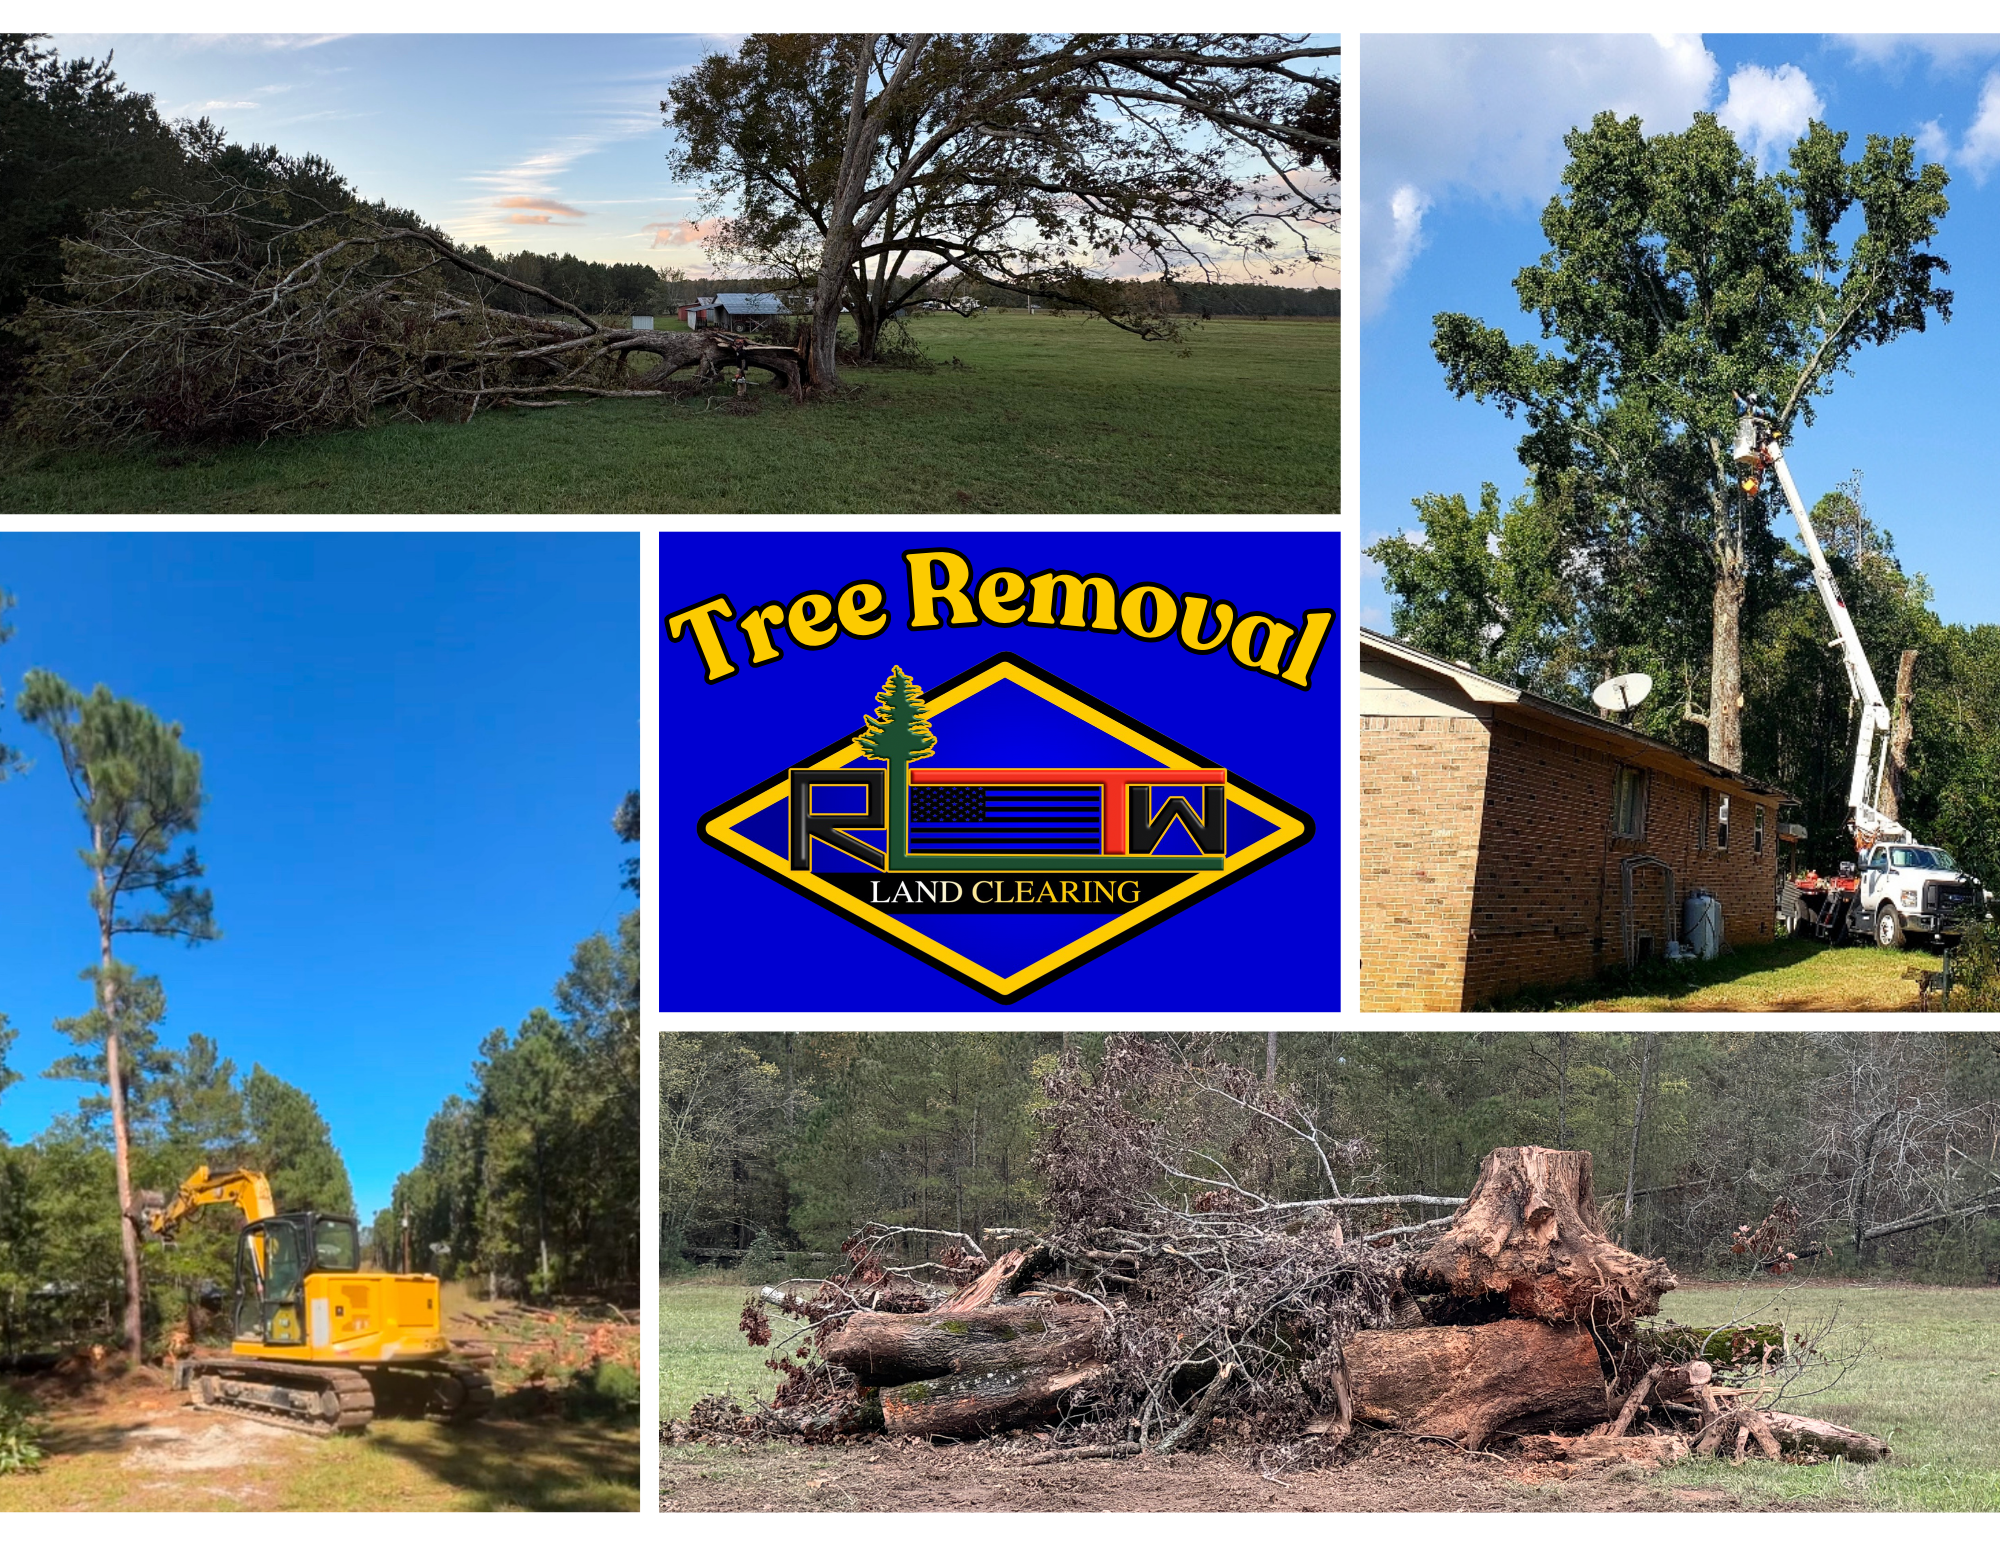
x: 1016, y: 818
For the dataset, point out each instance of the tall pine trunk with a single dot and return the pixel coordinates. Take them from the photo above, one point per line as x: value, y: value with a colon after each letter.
x: 121, y: 1137
x: 1725, y: 680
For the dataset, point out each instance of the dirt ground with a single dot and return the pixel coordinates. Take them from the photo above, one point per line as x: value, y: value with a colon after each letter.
x: 1378, y: 1473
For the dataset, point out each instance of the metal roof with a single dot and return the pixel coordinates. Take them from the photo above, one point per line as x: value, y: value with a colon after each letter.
x: 744, y: 304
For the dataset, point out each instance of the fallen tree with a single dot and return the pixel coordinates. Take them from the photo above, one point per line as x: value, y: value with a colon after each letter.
x: 257, y: 312
x: 1170, y: 1294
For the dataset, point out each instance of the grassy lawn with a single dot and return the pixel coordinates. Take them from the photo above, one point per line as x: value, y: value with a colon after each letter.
x: 1050, y: 414
x: 1786, y: 976
x: 701, y: 1350
x: 1930, y: 1385
x: 99, y: 1465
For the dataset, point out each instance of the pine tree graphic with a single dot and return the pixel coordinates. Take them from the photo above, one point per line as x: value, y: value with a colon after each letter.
x: 898, y: 732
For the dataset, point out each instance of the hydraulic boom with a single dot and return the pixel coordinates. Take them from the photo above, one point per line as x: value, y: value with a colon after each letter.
x: 1756, y: 449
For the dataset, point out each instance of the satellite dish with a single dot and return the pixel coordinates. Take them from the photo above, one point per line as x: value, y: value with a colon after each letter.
x: 1622, y: 694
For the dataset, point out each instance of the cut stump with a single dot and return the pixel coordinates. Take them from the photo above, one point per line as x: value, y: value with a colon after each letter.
x: 1529, y: 1232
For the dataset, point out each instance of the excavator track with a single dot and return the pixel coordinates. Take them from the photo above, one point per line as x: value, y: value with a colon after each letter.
x: 304, y: 1398
x: 459, y: 1392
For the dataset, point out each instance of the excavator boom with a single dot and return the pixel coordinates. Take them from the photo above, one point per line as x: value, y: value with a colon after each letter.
x: 246, y: 1190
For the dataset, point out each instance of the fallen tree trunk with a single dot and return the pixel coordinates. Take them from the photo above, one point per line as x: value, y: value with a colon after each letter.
x: 1805, y: 1434
x: 974, y: 1404
x: 890, y: 1349
x: 1653, y: 1450
x: 1727, y: 1346
x: 1468, y: 1382
x: 1529, y: 1233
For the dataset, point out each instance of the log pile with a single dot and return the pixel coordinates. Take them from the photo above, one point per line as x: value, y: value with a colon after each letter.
x: 1515, y: 1319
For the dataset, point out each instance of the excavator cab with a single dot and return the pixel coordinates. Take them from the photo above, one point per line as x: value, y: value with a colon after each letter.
x: 273, y: 1259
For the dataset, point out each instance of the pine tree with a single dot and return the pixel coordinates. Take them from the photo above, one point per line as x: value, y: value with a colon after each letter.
x: 138, y: 790
x: 898, y: 732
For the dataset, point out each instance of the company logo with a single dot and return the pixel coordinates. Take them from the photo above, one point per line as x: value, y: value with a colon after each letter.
x: 1004, y: 826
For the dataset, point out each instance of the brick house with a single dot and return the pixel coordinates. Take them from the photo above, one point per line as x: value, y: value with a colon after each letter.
x: 1507, y: 839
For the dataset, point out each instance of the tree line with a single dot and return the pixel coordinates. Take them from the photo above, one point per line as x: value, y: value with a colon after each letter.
x: 1884, y: 1143
x: 529, y: 1181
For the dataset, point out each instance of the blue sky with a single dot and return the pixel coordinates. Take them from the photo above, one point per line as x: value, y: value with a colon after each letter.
x: 1461, y: 148
x: 412, y: 745
x: 546, y: 143
x: 549, y: 143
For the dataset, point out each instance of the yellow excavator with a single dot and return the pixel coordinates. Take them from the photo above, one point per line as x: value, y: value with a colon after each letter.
x: 309, y: 1327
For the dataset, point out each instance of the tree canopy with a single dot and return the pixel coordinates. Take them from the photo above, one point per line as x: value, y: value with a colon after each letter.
x: 866, y: 166
x: 1676, y: 276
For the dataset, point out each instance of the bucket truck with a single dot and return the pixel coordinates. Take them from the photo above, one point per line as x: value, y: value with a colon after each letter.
x: 1896, y: 887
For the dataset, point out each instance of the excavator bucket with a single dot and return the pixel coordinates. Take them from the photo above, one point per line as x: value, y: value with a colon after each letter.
x: 146, y: 1206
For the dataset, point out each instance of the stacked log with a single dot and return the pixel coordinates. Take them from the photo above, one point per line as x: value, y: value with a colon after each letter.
x: 981, y: 1362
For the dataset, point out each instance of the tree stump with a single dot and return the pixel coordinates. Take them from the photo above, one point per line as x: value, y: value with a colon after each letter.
x: 1467, y: 1382
x: 974, y: 1404
x: 1529, y: 1232
x: 889, y: 1349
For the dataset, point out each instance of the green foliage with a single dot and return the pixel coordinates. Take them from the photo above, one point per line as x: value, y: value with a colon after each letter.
x: 11, y: 760
x: 898, y: 731
x: 295, y: 1147
x: 138, y: 790
x: 21, y: 1434
x: 1676, y: 275
x: 533, y: 1175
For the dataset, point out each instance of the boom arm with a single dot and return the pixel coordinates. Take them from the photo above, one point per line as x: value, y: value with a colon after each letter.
x: 245, y: 1189
x: 1756, y: 446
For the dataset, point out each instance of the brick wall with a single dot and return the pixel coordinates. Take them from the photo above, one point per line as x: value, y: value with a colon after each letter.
x: 1489, y: 863
x: 1421, y: 783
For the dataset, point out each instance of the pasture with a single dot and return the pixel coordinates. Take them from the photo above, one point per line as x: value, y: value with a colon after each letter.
x: 1037, y: 414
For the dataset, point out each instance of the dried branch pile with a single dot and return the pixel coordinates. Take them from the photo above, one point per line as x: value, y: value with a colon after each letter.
x: 1178, y: 1292
x: 257, y: 313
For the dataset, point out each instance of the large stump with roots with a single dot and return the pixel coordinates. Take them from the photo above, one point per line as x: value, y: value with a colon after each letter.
x: 1467, y: 1382
x: 1529, y: 1233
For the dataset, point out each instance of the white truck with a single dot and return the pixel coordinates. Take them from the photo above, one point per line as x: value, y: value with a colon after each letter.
x: 1898, y: 888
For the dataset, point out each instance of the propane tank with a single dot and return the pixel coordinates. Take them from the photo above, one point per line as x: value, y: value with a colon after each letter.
x: 1701, y: 925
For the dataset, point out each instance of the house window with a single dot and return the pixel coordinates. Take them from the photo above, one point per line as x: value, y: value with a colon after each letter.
x: 1757, y: 837
x: 1628, y: 802
x: 1722, y: 825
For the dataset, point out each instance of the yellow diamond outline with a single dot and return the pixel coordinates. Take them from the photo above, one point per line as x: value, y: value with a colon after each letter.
x: 718, y: 828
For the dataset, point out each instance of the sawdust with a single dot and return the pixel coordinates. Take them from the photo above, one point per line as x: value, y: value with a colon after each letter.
x: 196, y: 1441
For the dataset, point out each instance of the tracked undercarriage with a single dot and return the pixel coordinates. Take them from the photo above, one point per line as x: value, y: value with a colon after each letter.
x: 313, y: 1398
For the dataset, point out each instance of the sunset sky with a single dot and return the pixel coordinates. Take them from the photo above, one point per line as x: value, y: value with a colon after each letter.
x: 549, y: 143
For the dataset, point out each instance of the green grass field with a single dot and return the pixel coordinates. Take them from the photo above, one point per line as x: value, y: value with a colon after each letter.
x: 701, y: 1350
x: 1052, y: 414
x: 1786, y: 976
x: 1929, y: 1384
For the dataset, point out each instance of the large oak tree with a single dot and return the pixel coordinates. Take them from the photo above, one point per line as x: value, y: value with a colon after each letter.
x: 869, y: 165
x: 1676, y: 275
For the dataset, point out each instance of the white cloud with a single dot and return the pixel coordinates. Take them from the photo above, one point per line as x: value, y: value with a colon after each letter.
x: 1941, y: 51
x: 1932, y: 142
x: 1981, y: 149
x: 1767, y: 110
x: 1457, y: 117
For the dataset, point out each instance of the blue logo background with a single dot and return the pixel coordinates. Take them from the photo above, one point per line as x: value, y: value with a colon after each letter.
x: 736, y: 940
